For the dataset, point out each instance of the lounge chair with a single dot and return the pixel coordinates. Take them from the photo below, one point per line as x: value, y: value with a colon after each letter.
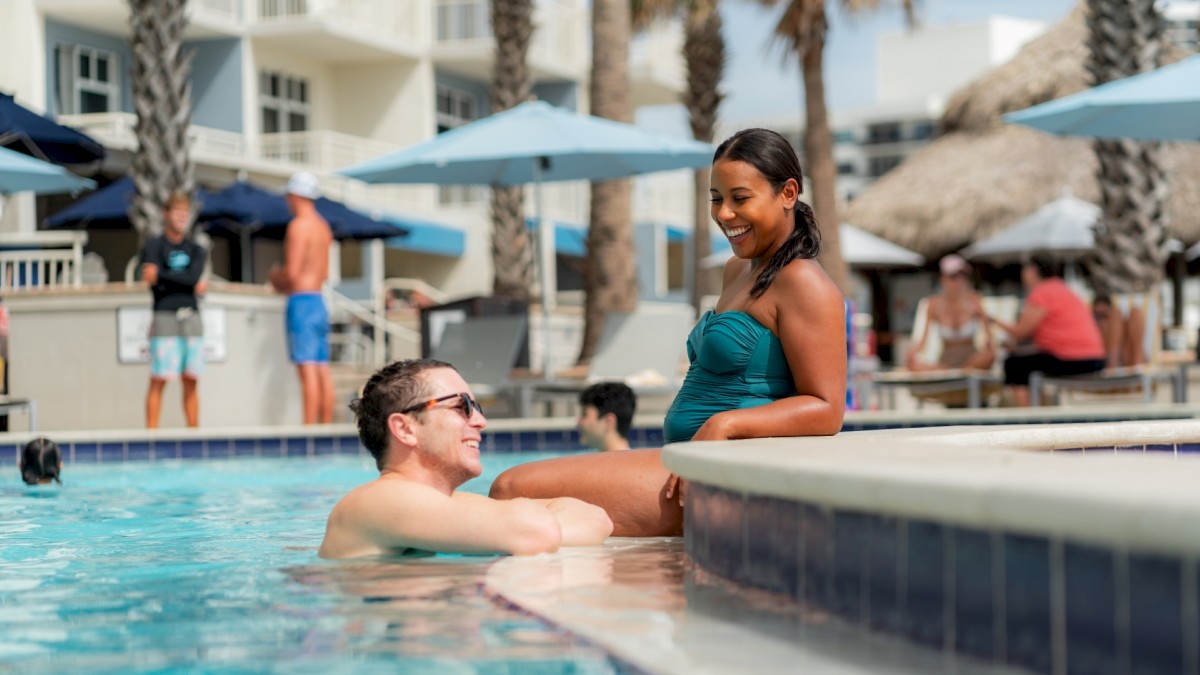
x: 484, y: 350
x: 644, y: 349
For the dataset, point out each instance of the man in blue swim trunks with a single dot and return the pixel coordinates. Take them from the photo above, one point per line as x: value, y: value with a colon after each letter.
x: 172, y: 265
x: 305, y: 269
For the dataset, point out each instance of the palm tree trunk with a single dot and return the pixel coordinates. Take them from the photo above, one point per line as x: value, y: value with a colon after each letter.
x: 704, y: 54
x: 162, y: 97
x: 818, y: 152
x: 609, y: 270
x: 1126, y: 38
x: 512, y: 254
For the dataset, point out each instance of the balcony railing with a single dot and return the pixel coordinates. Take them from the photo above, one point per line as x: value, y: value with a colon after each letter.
x: 116, y: 130
x: 559, y: 38
x: 47, y: 260
x: 227, y: 11
x: 387, y: 19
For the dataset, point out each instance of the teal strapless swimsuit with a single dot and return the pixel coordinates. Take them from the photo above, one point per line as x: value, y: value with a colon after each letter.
x: 735, y: 363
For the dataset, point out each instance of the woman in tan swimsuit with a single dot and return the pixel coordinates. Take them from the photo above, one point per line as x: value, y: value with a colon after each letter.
x: 957, y: 314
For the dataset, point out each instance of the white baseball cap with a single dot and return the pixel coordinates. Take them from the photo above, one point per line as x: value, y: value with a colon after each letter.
x: 304, y: 184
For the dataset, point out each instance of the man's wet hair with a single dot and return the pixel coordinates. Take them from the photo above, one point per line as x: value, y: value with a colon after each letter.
x: 40, y: 460
x: 611, y: 397
x: 391, y: 389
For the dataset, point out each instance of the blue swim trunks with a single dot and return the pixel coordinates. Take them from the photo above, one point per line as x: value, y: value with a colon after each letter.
x: 308, y: 328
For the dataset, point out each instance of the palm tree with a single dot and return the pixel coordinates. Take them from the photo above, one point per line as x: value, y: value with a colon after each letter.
x: 1125, y: 37
x: 803, y: 28
x: 704, y: 57
x: 609, y: 272
x: 512, y: 254
x: 162, y: 97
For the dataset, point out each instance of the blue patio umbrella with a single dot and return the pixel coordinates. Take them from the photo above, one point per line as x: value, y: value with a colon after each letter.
x: 1158, y: 105
x: 27, y: 132
x: 246, y: 206
x: 22, y: 173
x: 533, y: 143
x: 108, y: 208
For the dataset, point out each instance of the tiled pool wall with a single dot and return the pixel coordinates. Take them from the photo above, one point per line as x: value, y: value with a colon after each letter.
x: 77, y: 448
x: 560, y: 434
x: 1048, y: 605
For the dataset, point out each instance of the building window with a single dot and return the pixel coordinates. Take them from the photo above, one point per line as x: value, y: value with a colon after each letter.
x: 922, y: 131
x: 881, y: 165
x: 88, y: 79
x: 846, y: 169
x: 455, y: 108
x: 844, y: 136
x: 888, y: 132
x: 284, y: 101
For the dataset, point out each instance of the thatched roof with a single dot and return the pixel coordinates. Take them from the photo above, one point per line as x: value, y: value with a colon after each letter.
x: 983, y: 175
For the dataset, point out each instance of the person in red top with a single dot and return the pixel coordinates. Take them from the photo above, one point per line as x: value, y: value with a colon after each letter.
x: 1064, y: 332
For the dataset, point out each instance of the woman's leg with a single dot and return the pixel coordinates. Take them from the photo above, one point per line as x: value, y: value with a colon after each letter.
x: 630, y: 485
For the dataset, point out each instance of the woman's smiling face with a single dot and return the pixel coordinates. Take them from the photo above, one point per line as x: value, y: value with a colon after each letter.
x: 753, y: 216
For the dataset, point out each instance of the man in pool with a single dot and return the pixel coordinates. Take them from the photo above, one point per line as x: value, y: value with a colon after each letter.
x: 605, y: 415
x: 420, y: 422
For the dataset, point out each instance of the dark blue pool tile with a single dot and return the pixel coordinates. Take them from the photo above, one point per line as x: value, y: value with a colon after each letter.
x: 218, y: 448
x: 1156, y: 640
x: 164, y: 448
x: 85, y: 452
x: 270, y: 447
x: 1027, y: 603
x: 502, y: 441
x: 851, y: 532
x: 1131, y: 448
x: 654, y: 438
x: 527, y: 440
x: 297, y: 446
x: 1160, y: 447
x: 557, y: 439
x: 883, y: 570
x: 1187, y: 447
x: 138, y: 451
x: 726, y: 554
x: 1100, y: 448
x: 324, y: 445
x: 695, y: 522
x: 9, y: 453
x: 350, y: 445
x: 973, y: 592
x: 112, y: 452
x: 1090, y: 578
x: 771, y: 530
x: 924, y: 596
x: 816, y: 539
x: 244, y: 447
x: 192, y: 449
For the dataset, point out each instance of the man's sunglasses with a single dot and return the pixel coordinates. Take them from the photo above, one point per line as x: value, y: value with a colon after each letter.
x: 465, y: 404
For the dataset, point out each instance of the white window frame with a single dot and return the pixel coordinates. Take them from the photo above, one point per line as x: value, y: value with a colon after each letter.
x: 286, y: 104
x: 460, y: 101
x: 72, y: 85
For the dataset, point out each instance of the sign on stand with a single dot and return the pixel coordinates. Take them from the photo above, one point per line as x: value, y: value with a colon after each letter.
x: 133, y: 334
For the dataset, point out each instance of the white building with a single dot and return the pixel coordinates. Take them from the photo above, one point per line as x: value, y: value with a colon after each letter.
x: 1183, y: 23
x: 285, y: 85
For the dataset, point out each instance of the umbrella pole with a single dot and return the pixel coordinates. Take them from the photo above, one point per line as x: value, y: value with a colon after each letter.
x: 244, y: 236
x: 545, y: 243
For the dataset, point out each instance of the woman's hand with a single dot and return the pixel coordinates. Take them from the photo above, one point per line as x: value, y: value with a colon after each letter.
x: 715, y: 428
x: 676, y: 487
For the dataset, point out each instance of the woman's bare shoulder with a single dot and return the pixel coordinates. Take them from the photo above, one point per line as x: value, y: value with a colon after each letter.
x: 805, y: 281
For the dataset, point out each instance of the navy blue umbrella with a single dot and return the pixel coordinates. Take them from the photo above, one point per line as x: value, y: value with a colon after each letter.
x: 108, y: 208
x: 242, y: 205
x: 27, y: 132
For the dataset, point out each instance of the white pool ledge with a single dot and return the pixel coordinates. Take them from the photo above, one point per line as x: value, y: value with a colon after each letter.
x: 990, y: 478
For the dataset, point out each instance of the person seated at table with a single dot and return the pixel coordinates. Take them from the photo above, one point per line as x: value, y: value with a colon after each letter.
x: 40, y: 462
x: 1123, y: 332
x: 1066, y: 339
x: 957, y: 314
x: 769, y: 361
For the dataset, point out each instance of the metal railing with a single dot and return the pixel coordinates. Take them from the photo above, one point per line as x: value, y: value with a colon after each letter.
x: 320, y: 151
x: 48, y: 260
x: 382, y: 328
x: 116, y: 130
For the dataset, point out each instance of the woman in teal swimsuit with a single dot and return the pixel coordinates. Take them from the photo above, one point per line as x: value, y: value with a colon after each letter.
x: 769, y: 361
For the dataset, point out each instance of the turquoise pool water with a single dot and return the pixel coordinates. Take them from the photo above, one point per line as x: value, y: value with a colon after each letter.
x: 211, y: 566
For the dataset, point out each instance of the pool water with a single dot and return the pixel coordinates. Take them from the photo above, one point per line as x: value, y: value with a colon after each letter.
x: 212, y: 567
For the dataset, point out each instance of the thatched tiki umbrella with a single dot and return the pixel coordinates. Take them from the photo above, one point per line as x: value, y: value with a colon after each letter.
x: 981, y: 175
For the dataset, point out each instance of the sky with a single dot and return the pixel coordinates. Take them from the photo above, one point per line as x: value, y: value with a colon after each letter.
x: 760, y: 83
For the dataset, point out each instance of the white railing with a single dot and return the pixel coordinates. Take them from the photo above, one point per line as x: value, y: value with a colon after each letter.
x: 656, y: 56
x: 378, y: 322
x: 319, y: 151
x: 462, y: 21
x: 117, y: 130
x: 56, y: 262
x: 393, y: 21
x: 224, y: 11
x: 560, y: 37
